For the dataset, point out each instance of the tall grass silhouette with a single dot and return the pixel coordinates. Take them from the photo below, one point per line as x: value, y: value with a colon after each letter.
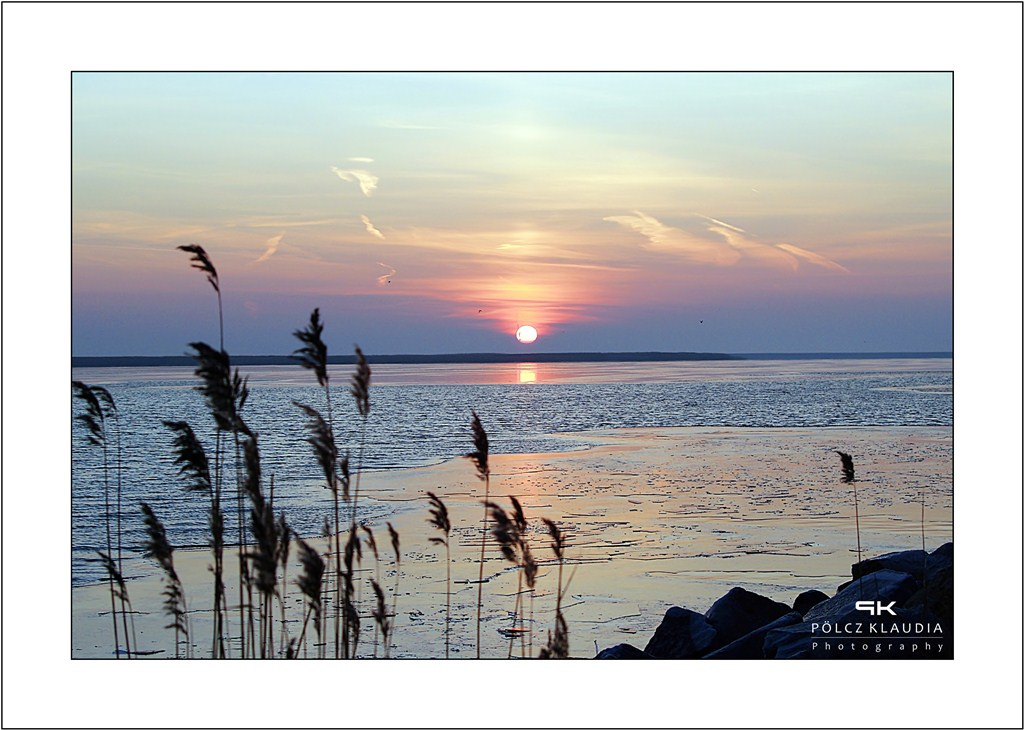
x: 194, y: 467
x: 321, y: 438
x: 264, y: 536
x: 225, y: 396
x: 439, y: 519
x: 558, y: 643
x: 483, y: 471
x: 850, y: 477
x: 175, y: 606
x: 98, y: 406
x: 310, y: 583
x: 360, y: 390
x: 510, y: 534
x: 396, y: 546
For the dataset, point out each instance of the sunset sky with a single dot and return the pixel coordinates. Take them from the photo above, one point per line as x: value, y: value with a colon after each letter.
x: 431, y: 213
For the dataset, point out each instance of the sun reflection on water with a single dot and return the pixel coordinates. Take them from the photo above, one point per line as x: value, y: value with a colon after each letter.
x: 527, y: 373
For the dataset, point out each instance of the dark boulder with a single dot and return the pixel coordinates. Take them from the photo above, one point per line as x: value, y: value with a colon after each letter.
x: 682, y: 634
x: 623, y: 651
x: 788, y: 642
x: 740, y: 612
x: 908, y: 561
x: 883, y: 585
x: 808, y: 600
x: 751, y: 646
x: 915, y: 562
x: 936, y: 597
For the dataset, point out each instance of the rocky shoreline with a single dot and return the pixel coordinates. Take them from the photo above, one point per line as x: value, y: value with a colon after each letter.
x: 898, y: 606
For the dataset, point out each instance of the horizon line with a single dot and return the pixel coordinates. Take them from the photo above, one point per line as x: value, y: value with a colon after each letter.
x: 509, y: 357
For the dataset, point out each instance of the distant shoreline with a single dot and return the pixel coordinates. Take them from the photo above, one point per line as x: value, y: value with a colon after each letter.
x: 502, y: 357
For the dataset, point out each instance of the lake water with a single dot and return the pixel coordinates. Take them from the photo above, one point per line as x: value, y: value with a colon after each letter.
x: 420, y: 415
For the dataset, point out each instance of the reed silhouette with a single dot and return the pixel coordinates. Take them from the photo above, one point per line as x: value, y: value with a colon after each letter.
x: 849, y: 477
x: 483, y: 471
x: 264, y: 536
x: 99, y: 406
x: 439, y: 519
x: 175, y: 606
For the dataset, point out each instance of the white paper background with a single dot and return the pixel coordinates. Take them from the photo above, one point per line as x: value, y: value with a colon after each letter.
x: 43, y: 43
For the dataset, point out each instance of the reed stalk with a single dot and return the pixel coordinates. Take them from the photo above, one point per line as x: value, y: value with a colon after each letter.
x: 506, y: 533
x: 483, y: 472
x: 360, y: 390
x: 372, y: 543
x: 558, y: 643
x: 175, y: 606
x: 849, y: 477
x: 310, y: 583
x: 313, y: 356
x: 194, y: 466
x: 215, y: 397
x: 226, y: 395
x: 94, y: 419
x: 380, y: 615
x: 396, y: 546
x: 284, y: 552
x: 439, y: 519
x: 120, y: 592
x: 111, y: 414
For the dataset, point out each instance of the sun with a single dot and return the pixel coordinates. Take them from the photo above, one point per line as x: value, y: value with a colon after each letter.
x: 526, y: 334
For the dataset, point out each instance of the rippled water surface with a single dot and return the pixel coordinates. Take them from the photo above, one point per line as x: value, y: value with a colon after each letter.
x: 420, y: 415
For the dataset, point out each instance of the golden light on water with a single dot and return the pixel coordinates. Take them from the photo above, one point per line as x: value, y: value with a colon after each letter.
x: 527, y: 373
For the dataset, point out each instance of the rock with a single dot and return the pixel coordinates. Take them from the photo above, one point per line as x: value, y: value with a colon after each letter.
x: 751, y: 646
x: 682, y: 634
x: 623, y: 651
x: 883, y: 585
x: 740, y: 612
x: 788, y: 642
x: 808, y: 600
x: 908, y: 561
x: 936, y: 598
x: 914, y: 562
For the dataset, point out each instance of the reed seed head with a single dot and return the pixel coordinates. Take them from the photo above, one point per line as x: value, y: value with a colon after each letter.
x: 847, y: 462
x: 360, y: 388
x: 439, y: 518
x: 371, y: 541
x: 310, y: 581
x: 93, y: 418
x: 505, y: 532
x: 202, y: 262
x: 223, y: 392
x: 322, y: 440
x: 395, y: 545
x: 313, y: 353
x: 190, y: 456
x: 482, y: 446
x: 557, y: 538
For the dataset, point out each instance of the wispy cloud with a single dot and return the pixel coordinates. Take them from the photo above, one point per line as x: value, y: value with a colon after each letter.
x: 676, y: 241
x: 385, y: 279
x: 723, y: 224
x: 367, y: 180
x: 360, y: 159
x: 370, y: 228
x: 734, y: 244
x: 812, y: 257
x: 272, y: 245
